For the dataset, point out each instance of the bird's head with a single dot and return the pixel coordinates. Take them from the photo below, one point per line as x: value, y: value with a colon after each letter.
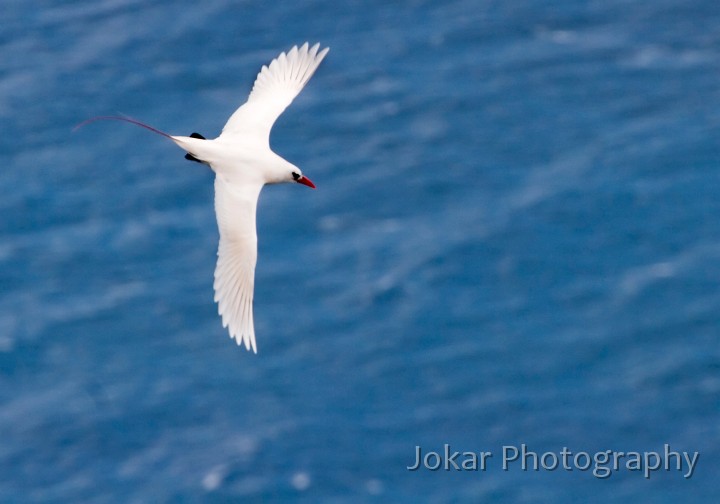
x: 297, y: 176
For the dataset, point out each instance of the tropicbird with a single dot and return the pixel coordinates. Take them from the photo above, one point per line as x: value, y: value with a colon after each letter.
x: 243, y: 163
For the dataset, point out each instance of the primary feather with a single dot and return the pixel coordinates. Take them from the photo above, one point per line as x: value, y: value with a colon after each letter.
x: 275, y: 88
x: 237, y: 255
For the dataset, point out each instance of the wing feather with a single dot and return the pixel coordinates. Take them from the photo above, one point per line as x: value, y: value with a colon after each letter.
x: 234, y: 283
x: 276, y: 86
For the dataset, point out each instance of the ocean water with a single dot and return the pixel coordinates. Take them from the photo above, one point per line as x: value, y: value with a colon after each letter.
x: 514, y: 240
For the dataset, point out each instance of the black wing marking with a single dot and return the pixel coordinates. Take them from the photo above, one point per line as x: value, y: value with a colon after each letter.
x: 189, y: 156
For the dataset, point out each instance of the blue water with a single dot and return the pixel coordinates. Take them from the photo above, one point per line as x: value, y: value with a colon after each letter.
x: 515, y: 239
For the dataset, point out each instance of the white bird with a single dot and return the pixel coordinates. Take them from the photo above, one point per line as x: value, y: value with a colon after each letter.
x: 243, y: 163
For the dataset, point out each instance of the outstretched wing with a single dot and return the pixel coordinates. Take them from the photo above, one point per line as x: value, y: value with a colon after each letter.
x: 275, y: 88
x: 237, y: 254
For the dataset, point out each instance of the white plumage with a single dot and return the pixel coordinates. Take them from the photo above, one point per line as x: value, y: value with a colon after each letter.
x: 276, y: 86
x: 243, y: 163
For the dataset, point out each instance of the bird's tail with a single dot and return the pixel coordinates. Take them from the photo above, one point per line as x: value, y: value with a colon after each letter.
x: 189, y: 156
x: 188, y: 144
x: 125, y: 119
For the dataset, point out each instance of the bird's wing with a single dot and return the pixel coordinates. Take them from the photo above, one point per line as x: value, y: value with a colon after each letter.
x: 275, y: 88
x: 237, y: 254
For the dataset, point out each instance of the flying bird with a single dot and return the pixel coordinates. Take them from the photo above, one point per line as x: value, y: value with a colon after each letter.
x: 243, y: 163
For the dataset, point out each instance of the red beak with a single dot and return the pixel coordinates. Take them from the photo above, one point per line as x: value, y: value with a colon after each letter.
x: 306, y: 181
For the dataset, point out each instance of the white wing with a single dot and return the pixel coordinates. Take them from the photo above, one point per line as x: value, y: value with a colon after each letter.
x: 275, y: 88
x: 237, y: 254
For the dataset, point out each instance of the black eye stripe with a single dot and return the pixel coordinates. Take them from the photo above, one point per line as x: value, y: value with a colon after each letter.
x: 296, y: 175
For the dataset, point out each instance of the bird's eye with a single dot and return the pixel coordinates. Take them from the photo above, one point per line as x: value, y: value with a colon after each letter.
x: 296, y: 175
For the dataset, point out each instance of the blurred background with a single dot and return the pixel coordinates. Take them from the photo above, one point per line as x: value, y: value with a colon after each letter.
x: 514, y: 239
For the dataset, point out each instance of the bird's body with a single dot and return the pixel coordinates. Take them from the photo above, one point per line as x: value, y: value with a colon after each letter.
x: 243, y: 163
